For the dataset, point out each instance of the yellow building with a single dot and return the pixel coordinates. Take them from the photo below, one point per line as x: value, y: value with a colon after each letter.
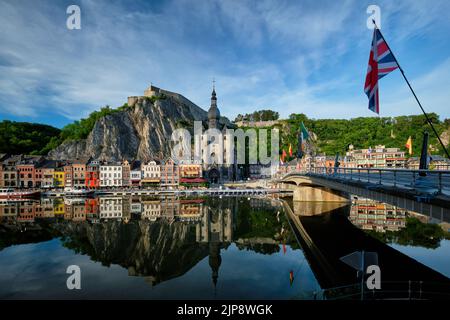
x: 58, y: 178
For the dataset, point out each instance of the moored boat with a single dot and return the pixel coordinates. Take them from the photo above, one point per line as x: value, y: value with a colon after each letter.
x: 10, y: 193
x: 77, y: 192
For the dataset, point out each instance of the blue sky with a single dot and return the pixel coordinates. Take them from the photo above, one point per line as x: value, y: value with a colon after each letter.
x: 291, y: 56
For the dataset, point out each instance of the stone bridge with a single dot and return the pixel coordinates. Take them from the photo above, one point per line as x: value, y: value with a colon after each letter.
x: 311, y: 189
x: 307, y: 187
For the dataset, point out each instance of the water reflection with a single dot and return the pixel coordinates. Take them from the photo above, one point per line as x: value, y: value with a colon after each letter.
x: 392, y: 224
x: 205, y: 247
x: 164, y: 239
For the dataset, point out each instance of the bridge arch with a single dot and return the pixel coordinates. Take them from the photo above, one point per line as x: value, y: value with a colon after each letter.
x: 308, y: 189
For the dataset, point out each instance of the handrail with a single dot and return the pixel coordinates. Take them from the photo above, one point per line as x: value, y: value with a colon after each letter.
x: 332, y: 169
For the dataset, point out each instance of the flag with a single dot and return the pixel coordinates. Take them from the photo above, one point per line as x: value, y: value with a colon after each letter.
x: 291, y: 277
x: 304, y: 131
x: 290, y: 150
x: 300, y: 146
x: 283, y: 156
x: 408, y: 145
x: 381, y: 62
x: 284, y: 248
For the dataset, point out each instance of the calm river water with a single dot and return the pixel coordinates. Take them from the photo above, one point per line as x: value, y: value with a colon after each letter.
x: 206, y: 248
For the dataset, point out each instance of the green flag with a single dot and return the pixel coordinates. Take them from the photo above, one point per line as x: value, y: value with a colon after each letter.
x: 304, y: 131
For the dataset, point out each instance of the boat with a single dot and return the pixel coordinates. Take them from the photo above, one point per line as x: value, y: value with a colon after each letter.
x: 10, y: 194
x: 68, y: 191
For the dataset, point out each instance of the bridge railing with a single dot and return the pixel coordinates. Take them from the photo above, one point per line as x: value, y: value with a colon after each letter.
x: 425, y: 180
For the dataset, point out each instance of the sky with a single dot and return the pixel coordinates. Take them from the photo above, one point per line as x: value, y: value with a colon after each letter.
x: 289, y: 56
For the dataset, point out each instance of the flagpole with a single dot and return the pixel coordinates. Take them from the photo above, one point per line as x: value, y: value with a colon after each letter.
x: 414, y: 94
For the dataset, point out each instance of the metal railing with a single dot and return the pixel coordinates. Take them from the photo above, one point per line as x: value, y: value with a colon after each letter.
x: 402, y: 290
x: 426, y: 181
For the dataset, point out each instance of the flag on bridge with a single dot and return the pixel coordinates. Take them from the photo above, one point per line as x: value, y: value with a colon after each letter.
x: 290, y: 150
x: 381, y: 62
x: 291, y: 277
x: 408, y: 145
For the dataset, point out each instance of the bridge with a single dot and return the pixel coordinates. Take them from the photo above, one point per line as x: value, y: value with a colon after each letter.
x: 423, y: 191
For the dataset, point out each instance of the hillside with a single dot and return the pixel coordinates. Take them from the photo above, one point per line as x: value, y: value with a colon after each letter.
x: 25, y: 137
x: 334, y: 135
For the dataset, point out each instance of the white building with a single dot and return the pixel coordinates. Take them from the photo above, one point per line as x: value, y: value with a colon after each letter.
x: 111, y: 175
x: 135, y: 173
x: 151, y: 173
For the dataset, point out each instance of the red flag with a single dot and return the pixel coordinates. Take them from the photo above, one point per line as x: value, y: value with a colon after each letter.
x: 284, y: 248
x: 290, y: 150
x: 283, y: 155
x: 291, y: 277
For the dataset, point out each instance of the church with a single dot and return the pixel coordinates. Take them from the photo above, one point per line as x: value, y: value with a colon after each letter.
x: 218, y: 157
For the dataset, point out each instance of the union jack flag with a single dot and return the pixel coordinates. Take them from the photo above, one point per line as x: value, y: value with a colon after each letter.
x: 381, y: 62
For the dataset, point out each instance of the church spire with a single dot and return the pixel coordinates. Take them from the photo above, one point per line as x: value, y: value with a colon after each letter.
x: 213, y: 112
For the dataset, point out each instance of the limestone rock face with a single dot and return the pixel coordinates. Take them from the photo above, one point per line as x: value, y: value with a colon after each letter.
x: 142, y: 132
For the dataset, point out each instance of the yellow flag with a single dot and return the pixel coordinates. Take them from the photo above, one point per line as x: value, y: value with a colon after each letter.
x: 408, y: 145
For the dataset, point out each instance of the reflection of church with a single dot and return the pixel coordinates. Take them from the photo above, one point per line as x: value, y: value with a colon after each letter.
x: 215, y: 228
x: 218, y: 147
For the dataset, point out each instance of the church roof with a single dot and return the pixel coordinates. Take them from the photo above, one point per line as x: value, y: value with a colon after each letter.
x: 213, y: 113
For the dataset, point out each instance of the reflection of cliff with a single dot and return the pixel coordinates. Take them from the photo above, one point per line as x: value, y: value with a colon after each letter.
x: 13, y: 234
x: 156, y: 250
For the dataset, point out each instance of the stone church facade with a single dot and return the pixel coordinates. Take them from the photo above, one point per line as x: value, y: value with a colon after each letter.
x: 221, y: 165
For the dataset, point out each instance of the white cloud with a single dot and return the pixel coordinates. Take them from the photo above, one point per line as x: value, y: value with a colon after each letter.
x: 290, y: 56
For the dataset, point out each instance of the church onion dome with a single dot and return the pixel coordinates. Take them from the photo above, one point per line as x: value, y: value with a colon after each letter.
x: 213, y: 113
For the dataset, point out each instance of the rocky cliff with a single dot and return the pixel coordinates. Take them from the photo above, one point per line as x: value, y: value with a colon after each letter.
x: 142, y: 131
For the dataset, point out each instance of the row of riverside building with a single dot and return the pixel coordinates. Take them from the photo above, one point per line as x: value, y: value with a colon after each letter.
x: 378, y: 157
x: 27, y: 171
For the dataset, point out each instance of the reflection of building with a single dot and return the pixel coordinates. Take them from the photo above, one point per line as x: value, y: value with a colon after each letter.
x: 151, y: 210
x: 111, y: 207
x: 191, y: 210
x: 27, y: 211
x: 170, y: 207
x: 372, y: 215
x: 135, y: 206
x: 58, y: 207
x: 9, y: 209
x: 216, y: 227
